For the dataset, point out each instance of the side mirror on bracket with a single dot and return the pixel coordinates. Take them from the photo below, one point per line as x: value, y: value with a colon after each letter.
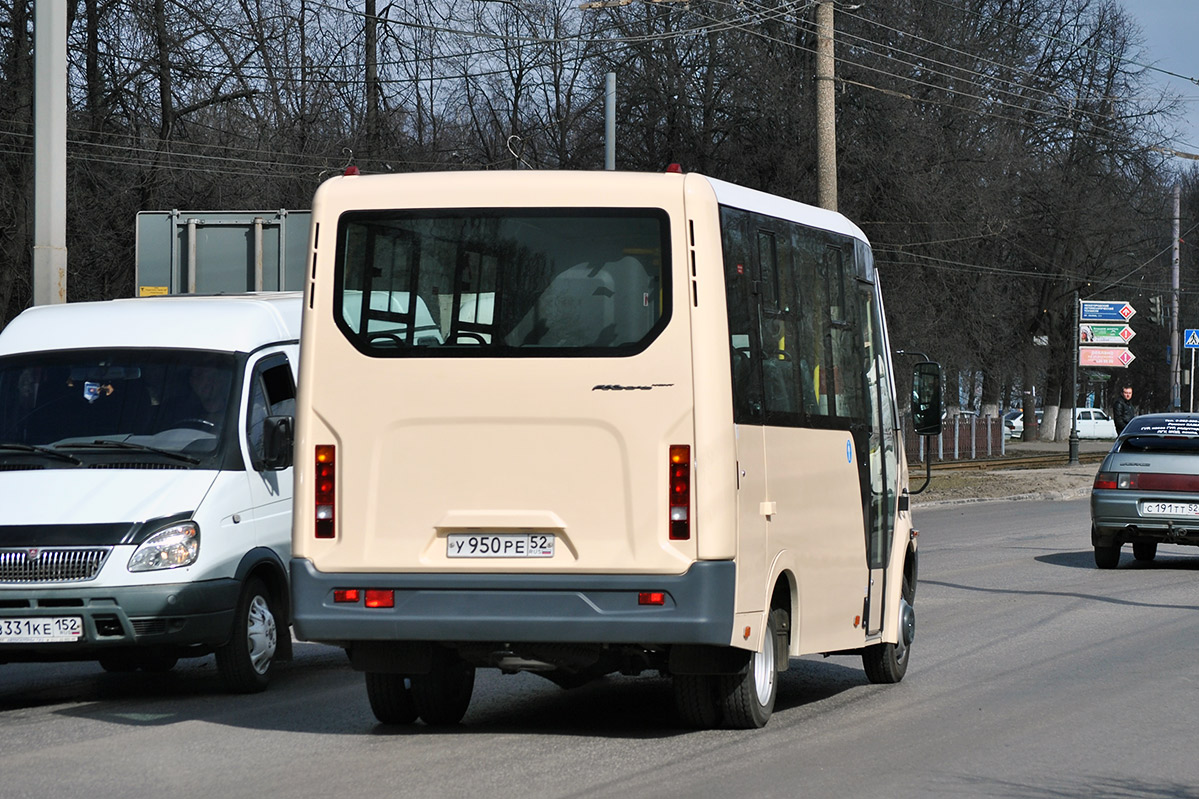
x: 277, y: 438
x: 926, y: 398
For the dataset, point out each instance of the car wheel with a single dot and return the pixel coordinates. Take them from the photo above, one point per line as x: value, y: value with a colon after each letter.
x: 1107, y: 556
x: 747, y: 698
x: 390, y: 699
x: 442, y: 696
x: 245, y: 662
x: 1144, y: 550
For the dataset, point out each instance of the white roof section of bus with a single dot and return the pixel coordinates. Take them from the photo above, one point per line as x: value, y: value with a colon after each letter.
x: 229, y: 323
x: 781, y: 208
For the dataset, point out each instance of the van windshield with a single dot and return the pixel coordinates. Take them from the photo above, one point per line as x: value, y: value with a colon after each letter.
x: 502, y: 282
x: 170, y: 400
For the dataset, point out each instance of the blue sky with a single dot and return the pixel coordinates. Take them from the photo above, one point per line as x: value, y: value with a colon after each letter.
x: 1171, y: 42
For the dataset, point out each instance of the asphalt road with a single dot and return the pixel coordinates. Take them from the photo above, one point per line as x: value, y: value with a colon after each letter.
x: 1034, y: 675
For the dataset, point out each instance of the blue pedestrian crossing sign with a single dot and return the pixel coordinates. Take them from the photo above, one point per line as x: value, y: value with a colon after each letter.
x: 1190, y: 339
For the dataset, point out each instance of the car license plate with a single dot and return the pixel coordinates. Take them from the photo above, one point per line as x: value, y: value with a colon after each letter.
x: 42, y: 630
x: 500, y: 545
x: 1170, y: 508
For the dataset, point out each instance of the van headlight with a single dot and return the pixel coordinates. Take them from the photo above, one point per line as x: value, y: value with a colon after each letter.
x: 170, y: 548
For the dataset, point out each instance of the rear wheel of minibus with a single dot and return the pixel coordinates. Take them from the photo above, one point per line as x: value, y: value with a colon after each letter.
x: 744, y: 700
x: 442, y: 696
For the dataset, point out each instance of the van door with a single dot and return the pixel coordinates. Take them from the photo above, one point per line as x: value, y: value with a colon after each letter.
x: 270, y: 390
x: 883, y: 460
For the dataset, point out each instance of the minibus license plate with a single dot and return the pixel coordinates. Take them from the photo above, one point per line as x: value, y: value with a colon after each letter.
x: 44, y: 630
x: 1170, y: 509
x: 500, y: 545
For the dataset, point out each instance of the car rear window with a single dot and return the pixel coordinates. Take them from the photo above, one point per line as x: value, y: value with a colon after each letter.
x: 1161, y: 433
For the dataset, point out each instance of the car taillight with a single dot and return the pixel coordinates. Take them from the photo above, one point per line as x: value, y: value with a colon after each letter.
x: 1105, y: 480
x: 1152, y: 481
x: 326, y: 489
x: 680, y: 492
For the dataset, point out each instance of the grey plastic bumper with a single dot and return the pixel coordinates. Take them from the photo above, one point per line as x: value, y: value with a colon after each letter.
x: 577, y: 608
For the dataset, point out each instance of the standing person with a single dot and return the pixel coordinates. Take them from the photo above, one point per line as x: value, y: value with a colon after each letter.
x: 1123, y: 410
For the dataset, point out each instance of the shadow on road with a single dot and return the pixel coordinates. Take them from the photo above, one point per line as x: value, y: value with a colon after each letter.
x: 1166, y: 559
x: 319, y: 693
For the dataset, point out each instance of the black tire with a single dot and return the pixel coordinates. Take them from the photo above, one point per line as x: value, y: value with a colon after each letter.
x: 886, y: 664
x: 1144, y: 550
x: 747, y: 698
x: 695, y: 700
x: 245, y: 662
x: 442, y: 696
x: 390, y: 699
x: 1107, y: 556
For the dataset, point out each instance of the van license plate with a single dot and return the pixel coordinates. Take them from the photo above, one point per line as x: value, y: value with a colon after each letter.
x: 43, y: 630
x: 500, y: 545
x: 1170, y: 509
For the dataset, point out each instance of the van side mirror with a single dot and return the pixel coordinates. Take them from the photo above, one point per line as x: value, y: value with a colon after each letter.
x: 277, y: 437
x: 926, y: 398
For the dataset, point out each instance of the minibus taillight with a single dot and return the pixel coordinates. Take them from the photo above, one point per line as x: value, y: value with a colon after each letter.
x: 680, y: 492
x: 326, y: 489
x: 380, y: 598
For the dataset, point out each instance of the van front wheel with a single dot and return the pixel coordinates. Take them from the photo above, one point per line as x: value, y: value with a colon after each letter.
x: 245, y: 662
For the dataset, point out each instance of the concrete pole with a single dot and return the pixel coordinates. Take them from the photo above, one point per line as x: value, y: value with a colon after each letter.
x: 1175, y: 340
x: 610, y: 121
x: 826, y: 126
x: 50, y: 152
x: 1072, y: 447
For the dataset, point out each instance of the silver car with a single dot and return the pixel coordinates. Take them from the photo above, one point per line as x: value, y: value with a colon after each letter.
x: 1147, y: 488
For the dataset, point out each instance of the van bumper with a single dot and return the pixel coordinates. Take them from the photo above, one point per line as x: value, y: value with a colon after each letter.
x: 575, y: 608
x: 175, y: 616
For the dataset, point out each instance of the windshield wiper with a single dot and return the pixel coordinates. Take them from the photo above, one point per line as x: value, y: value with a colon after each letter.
x: 14, y: 446
x: 109, y: 444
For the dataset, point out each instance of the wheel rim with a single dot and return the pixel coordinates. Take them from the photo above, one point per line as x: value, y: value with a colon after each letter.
x: 261, y: 634
x: 907, y: 618
x: 764, y: 670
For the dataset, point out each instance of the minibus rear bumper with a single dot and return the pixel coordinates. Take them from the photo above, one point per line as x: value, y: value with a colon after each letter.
x: 696, y: 606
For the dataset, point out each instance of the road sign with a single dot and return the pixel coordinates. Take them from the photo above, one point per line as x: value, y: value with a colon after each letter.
x: 1106, y: 311
x: 1106, y: 334
x: 1190, y: 339
x: 1105, y: 356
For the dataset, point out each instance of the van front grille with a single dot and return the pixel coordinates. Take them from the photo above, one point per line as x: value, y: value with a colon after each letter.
x: 51, y: 564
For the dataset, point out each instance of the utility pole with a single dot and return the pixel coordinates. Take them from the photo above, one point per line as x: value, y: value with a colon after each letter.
x: 50, y: 152
x: 610, y: 121
x: 371, y: 41
x: 1175, y: 354
x: 826, y: 125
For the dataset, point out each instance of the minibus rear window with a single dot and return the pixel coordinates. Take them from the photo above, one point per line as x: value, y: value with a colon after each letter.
x: 496, y: 282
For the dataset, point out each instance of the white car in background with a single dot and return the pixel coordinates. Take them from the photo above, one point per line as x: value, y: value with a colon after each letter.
x: 1094, y: 423
x: 1014, y: 422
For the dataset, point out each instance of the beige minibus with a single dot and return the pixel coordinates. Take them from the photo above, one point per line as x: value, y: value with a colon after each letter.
x: 581, y: 423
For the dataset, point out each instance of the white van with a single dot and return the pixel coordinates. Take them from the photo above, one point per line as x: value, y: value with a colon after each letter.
x: 145, y: 462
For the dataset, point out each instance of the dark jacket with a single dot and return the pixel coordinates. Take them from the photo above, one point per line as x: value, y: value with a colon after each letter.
x: 1122, y: 412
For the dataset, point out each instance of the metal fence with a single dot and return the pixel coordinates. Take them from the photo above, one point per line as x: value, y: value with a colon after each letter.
x: 962, y: 438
